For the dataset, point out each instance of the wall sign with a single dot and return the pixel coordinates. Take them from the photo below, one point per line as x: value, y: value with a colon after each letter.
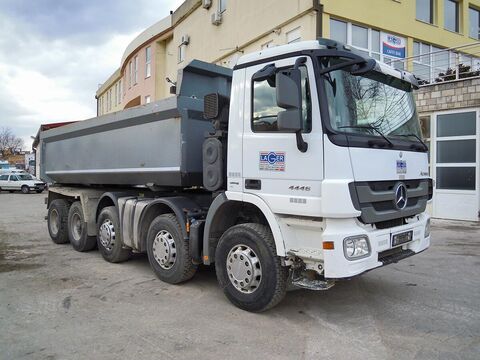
x: 393, y: 46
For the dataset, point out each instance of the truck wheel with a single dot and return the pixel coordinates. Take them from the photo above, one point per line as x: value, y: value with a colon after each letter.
x: 25, y: 189
x: 109, y: 236
x: 77, y: 229
x: 57, y: 219
x: 248, y: 268
x: 168, y: 252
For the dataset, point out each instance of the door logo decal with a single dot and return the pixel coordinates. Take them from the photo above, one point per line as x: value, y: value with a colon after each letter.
x: 272, y: 161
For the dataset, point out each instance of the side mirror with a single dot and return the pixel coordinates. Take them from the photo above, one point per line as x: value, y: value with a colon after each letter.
x: 289, y: 97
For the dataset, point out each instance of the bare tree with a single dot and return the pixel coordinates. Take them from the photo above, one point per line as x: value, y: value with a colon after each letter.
x: 9, y: 142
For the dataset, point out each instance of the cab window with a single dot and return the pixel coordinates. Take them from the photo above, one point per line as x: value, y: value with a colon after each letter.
x: 3, y: 177
x: 265, y: 109
x: 13, y: 178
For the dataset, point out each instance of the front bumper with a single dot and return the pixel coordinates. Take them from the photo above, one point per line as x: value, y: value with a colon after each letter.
x: 38, y: 187
x: 337, y: 266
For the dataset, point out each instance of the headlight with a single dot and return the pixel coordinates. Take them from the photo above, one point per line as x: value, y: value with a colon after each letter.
x: 356, y: 247
x: 427, y: 228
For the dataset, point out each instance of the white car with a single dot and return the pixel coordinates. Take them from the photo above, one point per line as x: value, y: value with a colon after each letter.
x: 23, y: 182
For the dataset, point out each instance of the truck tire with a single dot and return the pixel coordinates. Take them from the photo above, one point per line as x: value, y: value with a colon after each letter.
x: 77, y: 229
x: 248, y: 268
x: 57, y: 218
x: 109, y: 236
x: 168, y: 252
x: 25, y: 189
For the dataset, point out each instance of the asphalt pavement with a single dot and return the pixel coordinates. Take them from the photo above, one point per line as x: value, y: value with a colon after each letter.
x: 56, y: 303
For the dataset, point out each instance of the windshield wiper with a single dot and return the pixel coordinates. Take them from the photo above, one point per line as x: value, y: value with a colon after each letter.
x: 425, y: 147
x: 368, y: 127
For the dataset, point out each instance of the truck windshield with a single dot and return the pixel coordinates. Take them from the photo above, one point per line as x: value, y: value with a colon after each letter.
x: 372, y: 103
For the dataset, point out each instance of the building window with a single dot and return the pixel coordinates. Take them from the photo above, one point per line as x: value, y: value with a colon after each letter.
x: 148, y: 62
x: 135, y: 70
x: 294, y: 35
x: 181, y: 53
x: 370, y: 42
x: 338, y: 30
x: 424, y: 11
x: 130, y: 74
x: 452, y: 15
x: 147, y: 99
x: 119, y: 95
x: 360, y: 37
x: 429, y: 61
x: 474, y: 18
x: 222, y: 5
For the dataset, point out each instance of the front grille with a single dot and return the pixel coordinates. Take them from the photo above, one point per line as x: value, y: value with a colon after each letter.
x: 376, y: 200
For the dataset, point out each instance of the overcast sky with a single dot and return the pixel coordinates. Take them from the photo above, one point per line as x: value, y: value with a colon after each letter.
x: 54, y: 53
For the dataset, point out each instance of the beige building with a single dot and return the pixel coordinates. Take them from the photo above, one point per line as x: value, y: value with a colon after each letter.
x: 206, y: 30
x: 220, y: 31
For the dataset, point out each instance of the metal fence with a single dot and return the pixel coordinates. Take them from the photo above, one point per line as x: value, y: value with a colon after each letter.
x: 443, y: 65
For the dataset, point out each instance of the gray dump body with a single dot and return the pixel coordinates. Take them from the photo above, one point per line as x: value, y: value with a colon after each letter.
x: 158, y: 143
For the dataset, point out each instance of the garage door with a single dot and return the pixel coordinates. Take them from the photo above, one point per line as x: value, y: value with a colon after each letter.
x: 456, y: 164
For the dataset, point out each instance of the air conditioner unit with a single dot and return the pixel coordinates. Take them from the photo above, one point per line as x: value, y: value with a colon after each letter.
x: 185, y: 40
x: 206, y: 4
x: 217, y: 18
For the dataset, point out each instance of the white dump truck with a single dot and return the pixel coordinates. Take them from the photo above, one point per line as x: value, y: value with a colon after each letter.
x: 302, y: 166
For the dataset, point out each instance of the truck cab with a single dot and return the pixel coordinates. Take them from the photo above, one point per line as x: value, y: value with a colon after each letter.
x: 346, y: 187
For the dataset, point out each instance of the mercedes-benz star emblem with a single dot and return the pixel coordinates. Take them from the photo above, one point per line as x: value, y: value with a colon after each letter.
x: 401, y: 196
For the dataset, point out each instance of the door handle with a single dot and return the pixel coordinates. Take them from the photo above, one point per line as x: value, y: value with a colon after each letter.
x: 253, y: 184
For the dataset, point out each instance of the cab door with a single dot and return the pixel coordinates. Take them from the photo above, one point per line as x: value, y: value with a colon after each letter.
x: 274, y: 169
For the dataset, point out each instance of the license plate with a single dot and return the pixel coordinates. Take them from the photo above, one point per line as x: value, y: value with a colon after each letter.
x: 402, y: 238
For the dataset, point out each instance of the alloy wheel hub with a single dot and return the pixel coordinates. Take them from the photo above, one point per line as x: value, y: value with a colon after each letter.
x: 54, y: 221
x: 244, y: 269
x: 164, y: 249
x: 107, y: 234
x: 77, y: 227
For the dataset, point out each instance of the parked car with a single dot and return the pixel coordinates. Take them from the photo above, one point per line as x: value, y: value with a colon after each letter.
x: 21, y: 181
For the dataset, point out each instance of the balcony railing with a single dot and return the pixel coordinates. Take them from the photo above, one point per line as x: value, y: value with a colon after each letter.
x: 444, y: 65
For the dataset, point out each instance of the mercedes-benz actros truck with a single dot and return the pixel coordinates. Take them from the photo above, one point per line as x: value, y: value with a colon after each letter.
x: 302, y: 166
